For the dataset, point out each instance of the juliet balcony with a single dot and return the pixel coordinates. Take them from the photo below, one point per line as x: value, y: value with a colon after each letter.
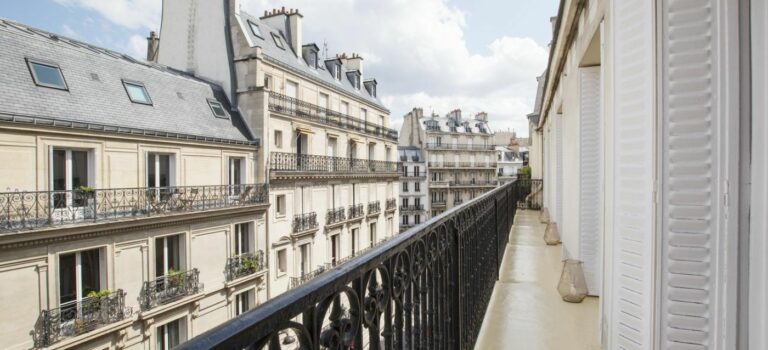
x: 305, y: 222
x: 462, y: 165
x: 459, y: 147
x: 45, y: 209
x: 284, y: 165
x: 391, y: 204
x: 473, y: 183
x: 412, y: 208
x: 335, y: 216
x: 374, y: 208
x: 355, y: 211
x: 245, y: 264
x: 170, y: 287
x: 304, y: 110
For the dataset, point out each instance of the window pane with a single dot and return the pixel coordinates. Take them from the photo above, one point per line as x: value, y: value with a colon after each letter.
x: 235, y: 172
x: 165, y: 170
x: 255, y: 29
x: 174, y: 261
x: 173, y: 334
x: 151, y: 170
x: 48, y: 75
x: 67, y: 279
x: 79, y: 169
x: 59, y: 176
x: 161, y: 338
x: 159, y: 256
x: 90, y: 271
x: 217, y: 109
x: 137, y: 93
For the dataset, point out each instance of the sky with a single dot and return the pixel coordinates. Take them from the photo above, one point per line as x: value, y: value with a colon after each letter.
x: 476, y: 55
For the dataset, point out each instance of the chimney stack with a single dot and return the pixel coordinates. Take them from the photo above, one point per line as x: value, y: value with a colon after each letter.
x: 294, y: 31
x: 153, y: 44
x: 355, y: 63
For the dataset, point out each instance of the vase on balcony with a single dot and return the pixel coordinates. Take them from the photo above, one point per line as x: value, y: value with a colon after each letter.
x: 572, y: 286
x: 544, y: 216
x: 552, y: 234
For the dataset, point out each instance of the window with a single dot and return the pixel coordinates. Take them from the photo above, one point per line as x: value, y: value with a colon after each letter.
x: 244, y: 238
x: 167, y: 254
x: 312, y: 59
x: 336, y: 71
x: 381, y: 120
x: 278, y: 139
x: 372, y: 232
x: 405, y: 202
x: 334, y: 249
x: 344, y: 108
x: 416, y: 170
x: 355, y: 232
x: 305, y: 263
x: 439, y: 140
x: 171, y: 334
x: 278, y: 41
x: 244, y: 301
x: 417, y: 202
x: 80, y: 273
x: 267, y: 81
x: 236, y: 174
x: 70, y: 169
x: 363, y: 114
x: 405, y: 187
x: 322, y: 100
x: 282, y: 261
x: 291, y: 89
x: 417, y: 219
x: 159, y: 170
x: 47, y: 74
x: 280, y: 205
x: 255, y: 29
x: 217, y: 109
x: 405, y: 219
x: 137, y: 92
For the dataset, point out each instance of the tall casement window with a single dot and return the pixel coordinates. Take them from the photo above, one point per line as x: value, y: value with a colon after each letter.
x: 305, y: 261
x: 405, y: 219
x: 416, y: 170
x: 282, y: 262
x: 363, y: 114
x: 244, y: 240
x: 79, y: 274
x: 335, y: 249
x: 322, y: 101
x: 245, y: 301
x: 417, y: 201
x: 236, y: 175
x: 405, y: 186
x: 344, y: 108
x: 171, y: 334
x: 70, y: 169
x: 168, y: 251
x: 280, y: 205
x: 405, y: 202
x: 291, y: 89
x: 417, y: 186
x: 417, y: 219
x: 159, y: 170
x: 372, y: 233
x: 355, y: 232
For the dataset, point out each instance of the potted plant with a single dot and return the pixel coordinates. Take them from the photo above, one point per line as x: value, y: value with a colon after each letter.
x: 175, y: 277
x: 95, y: 299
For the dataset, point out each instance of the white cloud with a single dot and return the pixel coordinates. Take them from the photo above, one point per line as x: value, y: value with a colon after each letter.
x: 420, y: 58
x: 134, y: 14
x: 69, y: 32
x: 136, y: 47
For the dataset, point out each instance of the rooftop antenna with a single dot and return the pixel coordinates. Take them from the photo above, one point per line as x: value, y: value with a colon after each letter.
x: 325, y: 49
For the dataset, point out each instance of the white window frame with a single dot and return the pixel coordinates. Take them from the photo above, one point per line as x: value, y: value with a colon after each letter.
x: 181, y: 253
x: 171, y: 168
x: 181, y: 322
x: 79, y: 273
x: 281, y: 270
x: 68, y: 171
x: 249, y: 296
x: 280, y: 210
x: 240, y: 229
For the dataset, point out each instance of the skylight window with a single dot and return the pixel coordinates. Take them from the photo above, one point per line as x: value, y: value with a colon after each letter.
x: 47, y: 74
x: 217, y: 109
x: 137, y: 92
x: 255, y: 29
x: 278, y: 41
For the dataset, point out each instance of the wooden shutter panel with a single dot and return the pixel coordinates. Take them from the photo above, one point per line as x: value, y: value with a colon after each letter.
x: 590, y: 178
x: 698, y: 119
x: 631, y: 301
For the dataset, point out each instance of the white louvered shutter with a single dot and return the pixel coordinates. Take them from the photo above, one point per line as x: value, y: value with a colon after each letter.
x: 632, y: 281
x: 699, y: 240
x: 559, y: 170
x: 590, y: 177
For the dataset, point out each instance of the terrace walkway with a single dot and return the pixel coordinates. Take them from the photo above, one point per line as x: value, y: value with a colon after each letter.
x: 525, y: 311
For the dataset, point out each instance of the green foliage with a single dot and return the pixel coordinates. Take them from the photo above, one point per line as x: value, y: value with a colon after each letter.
x: 85, y: 189
x: 99, y: 294
x: 526, y: 170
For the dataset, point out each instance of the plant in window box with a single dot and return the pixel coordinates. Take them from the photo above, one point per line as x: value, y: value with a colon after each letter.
x: 95, y: 301
x: 175, y: 278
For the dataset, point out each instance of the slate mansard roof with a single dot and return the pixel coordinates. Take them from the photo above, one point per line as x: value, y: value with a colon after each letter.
x: 410, y: 154
x: 290, y: 61
x: 96, y: 98
x: 446, y: 123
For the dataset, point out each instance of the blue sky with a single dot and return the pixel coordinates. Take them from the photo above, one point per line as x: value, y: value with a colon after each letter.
x: 436, y: 54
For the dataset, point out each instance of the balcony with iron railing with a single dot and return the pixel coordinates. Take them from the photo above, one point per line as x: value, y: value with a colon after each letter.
x: 75, y: 318
x: 412, y: 208
x: 245, y: 264
x: 307, y: 111
x: 459, y: 147
x: 391, y: 204
x: 409, y: 282
x: 473, y: 183
x: 170, y: 287
x: 44, y: 209
x: 374, y: 208
x: 438, y: 203
x: 413, y: 176
x: 305, y: 222
x: 335, y: 216
x: 355, y: 211
x: 283, y: 162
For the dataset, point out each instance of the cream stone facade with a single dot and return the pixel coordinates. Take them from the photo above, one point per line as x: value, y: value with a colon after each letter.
x: 328, y: 154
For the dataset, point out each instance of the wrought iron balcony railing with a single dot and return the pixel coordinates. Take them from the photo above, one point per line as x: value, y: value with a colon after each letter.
x: 391, y: 204
x: 31, y: 210
x: 245, y: 264
x: 355, y: 211
x: 414, y: 207
x: 431, y: 285
x: 458, y: 201
x: 297, y: 281
x: 75, y: 318
x: 335, y: 215
x: 307, y: 111
x: 374, y: 207
x: 461, y: 146
x: 283, y: 161
x: 304, y: 222
x: 473, y: 183
x: 531, y: 193
x: 413, y: 176
x: 172, y: 286
x: 438, y: 203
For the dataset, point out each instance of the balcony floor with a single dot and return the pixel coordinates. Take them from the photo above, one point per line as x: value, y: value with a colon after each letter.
x: 526, y: 311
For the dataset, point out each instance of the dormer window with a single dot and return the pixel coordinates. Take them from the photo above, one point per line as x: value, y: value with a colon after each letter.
x: 354, y: 79
x: 312, y: 59
x: 255, y: 29
x: 278, y: 41
x: 370, y: 85
x: 309, y: 51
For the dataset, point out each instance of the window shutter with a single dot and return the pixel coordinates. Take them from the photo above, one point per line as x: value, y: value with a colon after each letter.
x: 590, y: 151
x: 700, y: 112
x: 559, y: 170
x: 631, y: 282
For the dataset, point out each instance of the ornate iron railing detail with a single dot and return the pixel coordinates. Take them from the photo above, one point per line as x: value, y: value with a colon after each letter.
x: 438, y: 203
x: 30, y: 210
x: 170, y: 287
x: 245, y: 264
x: 413, y: 176
x: 413, y: 207
x: 374, y: 207
x: 355, y: 211
x: 288, y: 105
x: 74, y: 318
x: 531, y: 193
x: 474, y: 183
x: 335, y: 216
x: 391, y: 204
x: 304, y: 222
x: 427, y: 287
x: 283, y: 161
x: 297, y: 281
x: 460, y: 146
